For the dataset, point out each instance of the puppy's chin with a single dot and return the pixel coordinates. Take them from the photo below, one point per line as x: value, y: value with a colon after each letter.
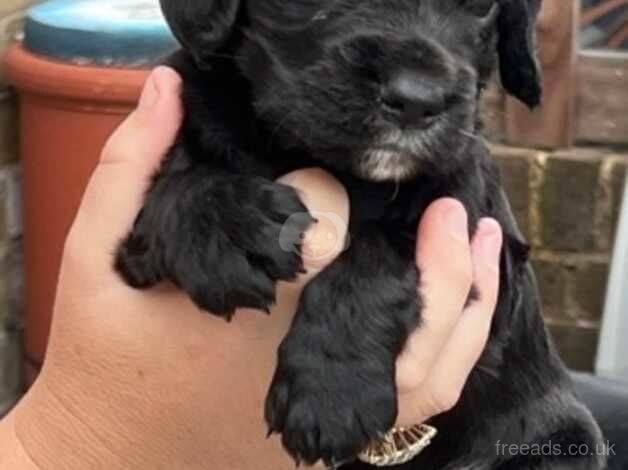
x: 382, y: 164
x: 401, y: 155
x: 396, y: 156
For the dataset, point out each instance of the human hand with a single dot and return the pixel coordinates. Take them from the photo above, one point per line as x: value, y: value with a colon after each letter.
x: 142, y: 380
x: 439, y: 357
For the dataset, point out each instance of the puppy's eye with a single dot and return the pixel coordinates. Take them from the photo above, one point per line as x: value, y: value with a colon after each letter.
x: 481, y: 8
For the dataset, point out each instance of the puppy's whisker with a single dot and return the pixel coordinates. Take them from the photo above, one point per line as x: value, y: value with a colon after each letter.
x: 279, y: 126
x: 281, y: 123
x: 443, y: 23
x: 470, y: 135
x: 396, y: 192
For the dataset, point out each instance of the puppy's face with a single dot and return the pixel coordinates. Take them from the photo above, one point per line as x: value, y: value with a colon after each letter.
x: 386, y: 89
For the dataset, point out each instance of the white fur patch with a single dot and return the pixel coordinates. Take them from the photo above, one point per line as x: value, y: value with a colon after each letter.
x: 396, y: 156
x: 388, y: 165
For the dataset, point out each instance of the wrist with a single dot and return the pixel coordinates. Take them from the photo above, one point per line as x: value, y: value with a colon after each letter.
x: 80, y: 416
x: 52, y: 436
x: 13, y: 455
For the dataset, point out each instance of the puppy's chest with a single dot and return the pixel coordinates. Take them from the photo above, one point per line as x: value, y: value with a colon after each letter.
x: 397, y: 205
x: 376, y: 203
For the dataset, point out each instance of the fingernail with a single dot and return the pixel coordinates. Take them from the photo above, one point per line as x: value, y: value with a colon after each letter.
x: 491, y: 241
x: 456, y: 219
x: 150, y: 93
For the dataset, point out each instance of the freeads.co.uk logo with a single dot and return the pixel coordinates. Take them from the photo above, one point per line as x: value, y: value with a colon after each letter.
x: 554, y: 449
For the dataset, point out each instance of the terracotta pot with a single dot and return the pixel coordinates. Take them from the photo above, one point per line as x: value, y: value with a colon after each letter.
x: 67, y: 113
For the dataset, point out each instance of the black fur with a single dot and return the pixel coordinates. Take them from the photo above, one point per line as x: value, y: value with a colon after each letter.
x: 274, y: 85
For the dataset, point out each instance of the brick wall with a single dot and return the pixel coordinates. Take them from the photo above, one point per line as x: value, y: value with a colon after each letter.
x: 567, y: 204
x: 10, y: 223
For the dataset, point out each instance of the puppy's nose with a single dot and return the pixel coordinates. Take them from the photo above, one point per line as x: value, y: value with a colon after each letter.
x: 412, y: 100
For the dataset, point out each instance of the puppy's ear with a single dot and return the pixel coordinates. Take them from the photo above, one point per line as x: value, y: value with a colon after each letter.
x: 519, y: 68
x: 201, y: 26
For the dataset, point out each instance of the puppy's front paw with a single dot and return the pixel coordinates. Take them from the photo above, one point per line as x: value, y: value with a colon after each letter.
x: 226, y: 244
x: 327, y: 409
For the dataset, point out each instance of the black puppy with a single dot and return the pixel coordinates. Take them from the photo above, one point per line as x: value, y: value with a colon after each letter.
x: 383, y: 94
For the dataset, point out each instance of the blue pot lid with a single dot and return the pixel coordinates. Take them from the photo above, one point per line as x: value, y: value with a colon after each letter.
x: 116, y: 33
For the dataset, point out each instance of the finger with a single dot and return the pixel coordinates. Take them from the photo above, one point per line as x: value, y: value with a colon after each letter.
x: 450, y: 372
x: 327, y: 201
x: 444, y: 260
x: 130, y: 158
x: 469, y: 338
